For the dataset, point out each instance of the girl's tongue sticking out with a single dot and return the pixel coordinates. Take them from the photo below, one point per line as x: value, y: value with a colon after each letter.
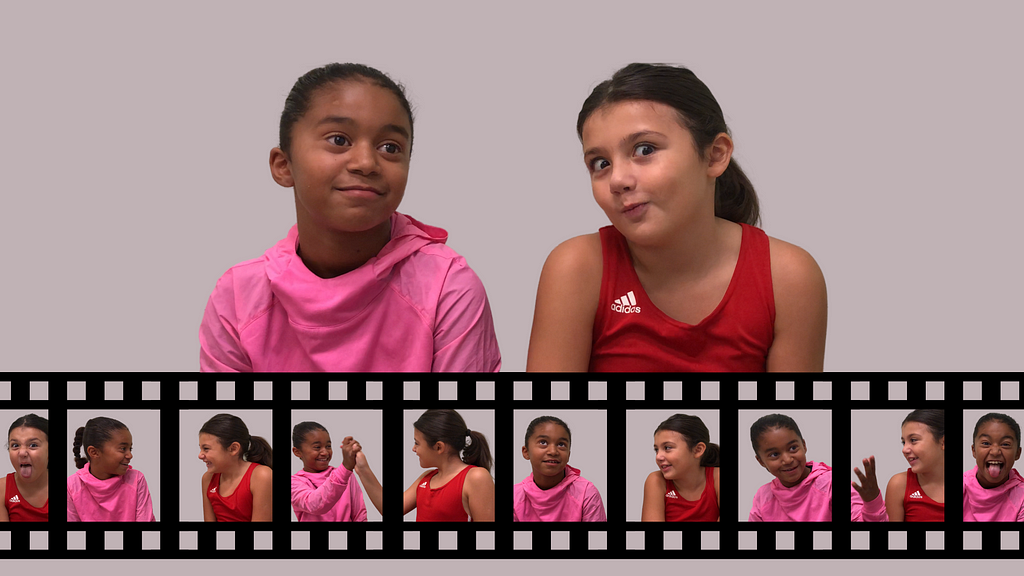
x: 25, y: 470
x: 995, y: 469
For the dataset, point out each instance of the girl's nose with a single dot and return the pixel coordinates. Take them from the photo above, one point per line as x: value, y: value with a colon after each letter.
x: 128, y: 455
x: 363, y: 159
x: 622, y: 180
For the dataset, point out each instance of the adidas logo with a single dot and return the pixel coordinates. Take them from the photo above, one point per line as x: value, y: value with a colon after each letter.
x: 213, y: 490
x: 424, y: 485
x: 916, y: 494
x: 672, y: 494
x: 15, y: 499
x: 626, y: 304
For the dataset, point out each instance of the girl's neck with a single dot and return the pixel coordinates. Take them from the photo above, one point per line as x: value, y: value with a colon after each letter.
x: 937, y: 477
x: 450, y: 466
x: 688, y: 254
x: 692, y: 481
x: 329, y: 254
x: 33, y: 484
x: 548, y: 482
x: 236, y: 471
x: 99, y: 476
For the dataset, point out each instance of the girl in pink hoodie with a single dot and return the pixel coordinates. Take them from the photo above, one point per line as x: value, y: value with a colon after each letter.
x: 555, y: 491
x: 994, y: 490
x: 801, y: 490
x: 355, y: 286
x: 323, y: 493
x: 107, y: 488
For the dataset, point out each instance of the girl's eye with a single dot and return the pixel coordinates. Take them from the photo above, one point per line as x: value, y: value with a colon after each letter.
x: 389, y: 148
x: 598, y: 164
x: 643, y: 150
x: 338, y: 140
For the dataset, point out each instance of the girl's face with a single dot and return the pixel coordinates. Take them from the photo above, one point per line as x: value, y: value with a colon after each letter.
x: 422, y: 449
x: 29, y: 451
x: 995, y: 448
x: 216, y: 457
x: 315, y: 451
x: 548, y: 450
x: 349, y: 158
x: 783, y: 453
x: 674, y: 457
x: 113, y: 457
x: 645, y: 172
x: 922, y: 451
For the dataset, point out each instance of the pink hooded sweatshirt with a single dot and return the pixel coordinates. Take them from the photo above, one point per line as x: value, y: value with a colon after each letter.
x: 414, y: 307
x: 873, y: 511
x: 328, y: 496
x: 116, y: 499
x: 574, y: 499
x: 808, y: 501
x: 1004, y: 503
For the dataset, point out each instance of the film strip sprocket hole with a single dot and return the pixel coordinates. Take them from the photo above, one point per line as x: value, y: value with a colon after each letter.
x: 166, y: 395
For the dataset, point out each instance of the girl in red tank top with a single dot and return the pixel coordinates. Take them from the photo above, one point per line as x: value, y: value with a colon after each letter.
x: 681, y: 280
x: 918, y: 495
x: 238, y: 479
x: 460, y: 489
x: 685, y: 486
x: 25, y: 492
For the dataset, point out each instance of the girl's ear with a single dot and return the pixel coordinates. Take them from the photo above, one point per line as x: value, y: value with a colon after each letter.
x: 526, y: 453
x: 297, y: 452
x: 942, y: 443
x: 280, y: 168
x: 699, y: 449
x: 439, y: 447
x: 92, y: 452
x: 1015, y: 459
x: 719, y: 153
x: 234, y: 449
x: 758, y: 458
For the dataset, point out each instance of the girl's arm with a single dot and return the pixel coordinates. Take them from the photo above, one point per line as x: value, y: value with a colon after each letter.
x: 262, y: 499
x: 567, y: 295
x: 220, y: 349
x: 4, y: 517
x: 409, y: 498
x: 718, y: 498
x: 654, y: 498
x: 593, y: 506
x: 801, y: 310
x: 72, y: 509
x: 479, y: 489
x: 311, y: 500
x: 894, y: 497
x: 464, y: 339
x: 208, y: 515
x: 143, y: 501
x: 370, y: 484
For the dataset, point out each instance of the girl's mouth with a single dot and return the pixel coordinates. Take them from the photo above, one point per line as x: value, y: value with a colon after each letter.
x: 25, y: 470
x: 994, y: 468
x: 789, y: 470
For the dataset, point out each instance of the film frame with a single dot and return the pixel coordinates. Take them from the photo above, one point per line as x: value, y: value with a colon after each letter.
x: 504, y: 393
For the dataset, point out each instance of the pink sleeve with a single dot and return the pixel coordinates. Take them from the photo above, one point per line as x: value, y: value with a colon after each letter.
x: 464, y: 339
x: 220, y: 349
x: 755, y: 506
x: 319, y: 500
x: 143, y: 502
x: 593, y: 507
x: 861, y: 511
x: 72, y: 510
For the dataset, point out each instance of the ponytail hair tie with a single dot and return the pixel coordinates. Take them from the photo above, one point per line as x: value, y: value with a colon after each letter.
x: 469, y: 438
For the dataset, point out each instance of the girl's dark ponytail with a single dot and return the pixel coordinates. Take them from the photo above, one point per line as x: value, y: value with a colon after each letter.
x: 477, y: 452
x: 710, y: 457
x: 735, y: 199
x: 76, y: 448
x: 260, y: 452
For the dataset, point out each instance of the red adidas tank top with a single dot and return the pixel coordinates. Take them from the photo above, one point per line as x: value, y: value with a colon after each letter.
x: 18, y: 509
x: 442, y: 504
x: 632, y: 335
x: 917, y: 506
x: 704, y: 510
x: 238, y: 506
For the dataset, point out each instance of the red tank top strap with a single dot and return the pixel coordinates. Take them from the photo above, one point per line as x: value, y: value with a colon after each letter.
x: 18, y: 509
x: 443, y: 504
x: 918, y: 506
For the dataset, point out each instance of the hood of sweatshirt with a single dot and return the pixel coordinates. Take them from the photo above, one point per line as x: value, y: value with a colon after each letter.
x: 987, y: 502
x: 312, y: 301
x: 819, y: 480
x: 103, y: 491
x: 547, y: 501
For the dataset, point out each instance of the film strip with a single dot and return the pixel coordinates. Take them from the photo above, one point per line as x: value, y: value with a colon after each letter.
x: 619, y: 399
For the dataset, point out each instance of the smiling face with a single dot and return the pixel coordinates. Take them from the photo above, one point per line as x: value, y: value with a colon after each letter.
x: 216, y: 457
x: 29, y: 451
x: 348, y: 160
x: 995, y: 448
x: 645, y: 172
x: 315, y: 451
x: 113, y: 457
x: 783, y: 453
x: 548, y: 450
x: 674, y: 457
x: 426, y: 452
x: 922, y: 450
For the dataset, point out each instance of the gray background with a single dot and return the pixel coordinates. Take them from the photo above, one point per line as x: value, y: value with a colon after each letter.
x: 882, y: 138
x: 640, y: 425
x: 877, y: 432
x: 190, y: 474
x: 145, y: 428
x: 816, y: 428
x: 477, y: 420
x: 363, y: 425
x: 970, y: 419
x: 588, y: 449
